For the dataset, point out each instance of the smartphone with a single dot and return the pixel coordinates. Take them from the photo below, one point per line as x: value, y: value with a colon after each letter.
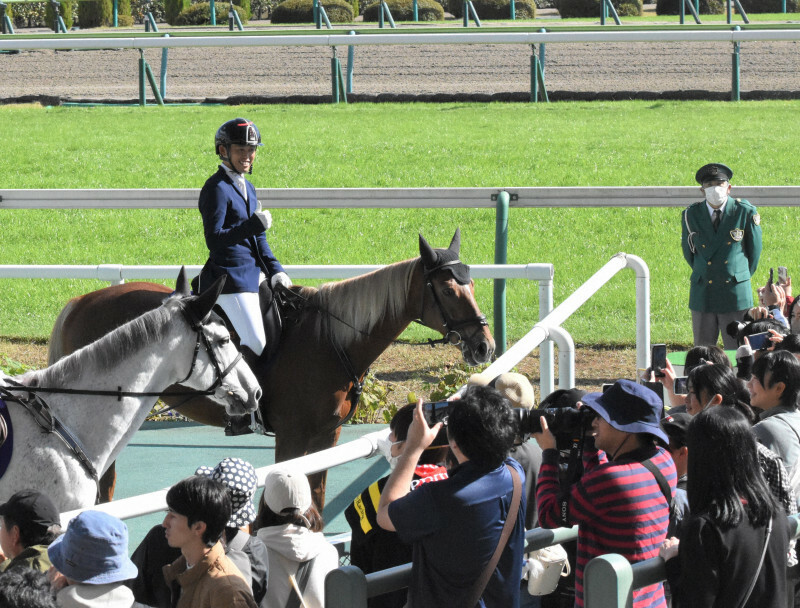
x: 657, y: 388
x: 436, y: 411
x: 606, y: 387
x: 759, y: 341
x: 783, y: 275
x: 658, y: 359
x: 681, y: 386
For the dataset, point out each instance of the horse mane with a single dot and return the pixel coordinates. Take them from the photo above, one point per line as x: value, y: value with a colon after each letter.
x: 360, y: 303
x: 102, y: 354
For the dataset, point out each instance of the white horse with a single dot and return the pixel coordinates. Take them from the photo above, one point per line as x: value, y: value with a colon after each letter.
x: 115, y: 383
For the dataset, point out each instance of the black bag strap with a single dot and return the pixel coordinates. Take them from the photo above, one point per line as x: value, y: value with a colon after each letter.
x: 302, y: 576
x: 660, y: 479
x: 511, y: 520
x: 760, y: 564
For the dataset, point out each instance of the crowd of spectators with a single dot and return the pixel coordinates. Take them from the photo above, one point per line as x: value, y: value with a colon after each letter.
x: 703, y: 478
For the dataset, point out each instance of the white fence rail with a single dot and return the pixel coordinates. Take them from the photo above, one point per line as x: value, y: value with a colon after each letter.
x: 396, y: 198
x: 143, y: 42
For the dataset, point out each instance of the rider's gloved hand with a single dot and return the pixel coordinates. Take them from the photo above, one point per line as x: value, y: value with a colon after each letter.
x: 280, y: 278
x: 264, y: 216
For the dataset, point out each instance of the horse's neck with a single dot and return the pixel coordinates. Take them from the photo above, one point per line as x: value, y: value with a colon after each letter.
x: 103, y: 424
x: 367, y: 347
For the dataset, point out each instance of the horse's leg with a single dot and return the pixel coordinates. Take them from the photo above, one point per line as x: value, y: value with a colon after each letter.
x: 319, y: 480
x: 108, y: 483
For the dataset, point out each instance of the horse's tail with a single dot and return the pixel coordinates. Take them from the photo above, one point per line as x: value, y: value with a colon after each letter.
x: 55, y: 348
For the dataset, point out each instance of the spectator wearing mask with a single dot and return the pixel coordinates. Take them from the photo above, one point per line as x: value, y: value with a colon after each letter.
x: 468, y: 530
x: 371, y: 547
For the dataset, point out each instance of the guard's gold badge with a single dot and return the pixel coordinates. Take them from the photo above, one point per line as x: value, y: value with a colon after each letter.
x: 737, y: 234
x: 757, y: 219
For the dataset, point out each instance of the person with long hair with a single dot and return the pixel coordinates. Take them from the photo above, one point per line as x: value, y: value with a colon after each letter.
x: 733, y: 546
x: 291, y: 528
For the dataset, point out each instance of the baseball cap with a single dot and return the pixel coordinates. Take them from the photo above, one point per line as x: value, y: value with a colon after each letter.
x: 675, y: 426
x: 287, y: 488
x: 32, y: 512
x: 513, y: 386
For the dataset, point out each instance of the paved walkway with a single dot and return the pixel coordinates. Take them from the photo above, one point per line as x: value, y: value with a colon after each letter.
x: 162, y: 453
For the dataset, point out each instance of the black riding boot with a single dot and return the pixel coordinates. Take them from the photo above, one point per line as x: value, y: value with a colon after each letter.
x: 240, y: 425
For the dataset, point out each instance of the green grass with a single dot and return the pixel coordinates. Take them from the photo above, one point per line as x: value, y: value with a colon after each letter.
x: 404, y: 145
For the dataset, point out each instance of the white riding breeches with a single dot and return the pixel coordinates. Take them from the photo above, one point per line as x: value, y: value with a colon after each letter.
x: 244, y: 312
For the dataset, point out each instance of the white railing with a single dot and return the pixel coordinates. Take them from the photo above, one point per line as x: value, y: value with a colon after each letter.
x: 204, y: 40
x: 394, y: 198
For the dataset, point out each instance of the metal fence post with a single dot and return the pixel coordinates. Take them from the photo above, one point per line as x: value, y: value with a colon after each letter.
x: 163, y: 73
x: 608, y: 582
x: 416, y: 10
x: 735, y: 72
x: 213, y: 10
x: 500, y: 257
x: 345, y: 587
x: 142, y: 98
x: 351, y: 51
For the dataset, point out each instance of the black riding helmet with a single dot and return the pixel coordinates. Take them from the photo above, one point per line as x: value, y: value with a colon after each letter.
x: 237, y: 131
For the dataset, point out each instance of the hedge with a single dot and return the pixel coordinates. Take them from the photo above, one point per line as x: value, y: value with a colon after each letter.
x: 199, y: 14
x: 495, y: 9
x: 707, y: 7
x: 302, y: 11
x: 591, y: 8
x: 403, y: 10
x: 173, y: 8
x: 100, y: 13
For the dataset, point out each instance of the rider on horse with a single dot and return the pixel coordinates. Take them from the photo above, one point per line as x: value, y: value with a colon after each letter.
x: 234, y: 225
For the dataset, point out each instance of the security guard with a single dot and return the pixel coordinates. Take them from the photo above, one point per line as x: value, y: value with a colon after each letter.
x: 721, y: 240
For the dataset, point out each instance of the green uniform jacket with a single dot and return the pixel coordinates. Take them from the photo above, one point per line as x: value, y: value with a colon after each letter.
x: 723, y: 261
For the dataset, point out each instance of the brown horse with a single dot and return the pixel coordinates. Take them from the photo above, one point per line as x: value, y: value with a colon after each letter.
x: 322, y: 355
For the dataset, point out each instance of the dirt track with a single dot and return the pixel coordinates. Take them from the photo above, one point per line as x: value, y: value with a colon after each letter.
x: 434, y: 72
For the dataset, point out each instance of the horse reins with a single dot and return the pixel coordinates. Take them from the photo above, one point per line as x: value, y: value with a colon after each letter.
x: 450, y: 325
x: 49, y: 422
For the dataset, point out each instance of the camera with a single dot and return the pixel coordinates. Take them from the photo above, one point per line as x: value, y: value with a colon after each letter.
x: 436, y: 411
x: 564, y: 421
x: 681, y: 386
x: 759, y: 341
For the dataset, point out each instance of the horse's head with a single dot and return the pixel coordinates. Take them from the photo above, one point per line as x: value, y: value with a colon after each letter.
x: 218, y: 363
x: 449, y: 304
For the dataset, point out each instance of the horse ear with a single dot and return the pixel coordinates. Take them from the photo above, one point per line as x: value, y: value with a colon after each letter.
x: 426, y: 252
x: 201, y: 305
x: 182, y: 288
x: 455, y: 244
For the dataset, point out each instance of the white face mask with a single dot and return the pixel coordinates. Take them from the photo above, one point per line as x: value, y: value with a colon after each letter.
x: 716, y: 195
x: 385, y: 448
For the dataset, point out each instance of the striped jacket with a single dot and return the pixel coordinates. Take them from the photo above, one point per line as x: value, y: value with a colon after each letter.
x: 618, y: 506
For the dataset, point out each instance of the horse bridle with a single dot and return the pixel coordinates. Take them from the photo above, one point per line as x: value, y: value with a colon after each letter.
x: 49, y: 422
x: 450, y: 325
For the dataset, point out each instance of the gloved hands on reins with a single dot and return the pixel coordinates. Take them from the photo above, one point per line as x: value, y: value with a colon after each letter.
x: 264, y: 216
x: 280, y: 278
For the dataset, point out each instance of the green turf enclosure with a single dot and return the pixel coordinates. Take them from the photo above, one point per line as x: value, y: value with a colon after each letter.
x: 301, y: 11
x: 591, y: 8
x: 403, y: 10
x: 200, y: 14
x: 707, y: 7
x: 495, y: 9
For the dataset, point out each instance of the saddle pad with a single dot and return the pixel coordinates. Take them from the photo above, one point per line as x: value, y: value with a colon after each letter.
x: 7, y: 446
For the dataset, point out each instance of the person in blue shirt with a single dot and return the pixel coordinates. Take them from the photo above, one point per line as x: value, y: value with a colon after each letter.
x: 455, y: 525
x: 234, y: 226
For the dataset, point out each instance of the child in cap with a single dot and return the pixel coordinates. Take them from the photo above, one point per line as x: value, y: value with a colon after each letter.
x: 30, y: 522
x: 291, y: 528
x: 90, y: 562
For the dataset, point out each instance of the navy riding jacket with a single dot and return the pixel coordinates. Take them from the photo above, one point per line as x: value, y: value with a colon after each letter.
x: 235, y: 237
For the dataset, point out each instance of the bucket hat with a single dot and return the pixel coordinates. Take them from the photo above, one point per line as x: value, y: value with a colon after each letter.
x: 629, y: 407
x: 239, y: 477
x: 287, y: 488
x: 93, y: 550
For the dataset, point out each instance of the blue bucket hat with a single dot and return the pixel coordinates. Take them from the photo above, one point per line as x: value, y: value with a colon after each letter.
x: 93, y: 550
x: 629, y: 407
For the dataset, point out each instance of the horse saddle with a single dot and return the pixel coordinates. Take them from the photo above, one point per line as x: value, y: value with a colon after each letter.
x: 6, y: 438
x: 272, y: 313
